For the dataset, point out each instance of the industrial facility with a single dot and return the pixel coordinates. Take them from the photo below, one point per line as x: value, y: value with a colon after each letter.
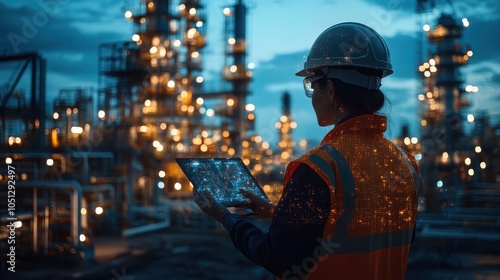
x: 97, y: 162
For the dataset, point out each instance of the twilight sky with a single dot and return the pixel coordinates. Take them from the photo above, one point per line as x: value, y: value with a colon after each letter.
x: 68, y: 32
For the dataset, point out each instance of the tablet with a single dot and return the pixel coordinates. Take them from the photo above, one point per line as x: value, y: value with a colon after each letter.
x: 222, y: 177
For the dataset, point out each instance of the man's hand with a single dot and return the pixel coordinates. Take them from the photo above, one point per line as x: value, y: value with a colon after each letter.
x: 209, y: 206
x: 261, y: 207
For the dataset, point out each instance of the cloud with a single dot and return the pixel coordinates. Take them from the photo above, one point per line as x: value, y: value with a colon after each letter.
x: 56, y: 32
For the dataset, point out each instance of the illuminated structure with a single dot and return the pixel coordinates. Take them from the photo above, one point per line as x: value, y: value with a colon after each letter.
x: 459, y: 166
x: 285, y: 127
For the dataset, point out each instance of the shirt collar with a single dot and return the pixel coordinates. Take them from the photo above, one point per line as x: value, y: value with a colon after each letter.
x: 370, y: 124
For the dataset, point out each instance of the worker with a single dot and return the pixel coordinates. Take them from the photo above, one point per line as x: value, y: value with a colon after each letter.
x: 349, y: 206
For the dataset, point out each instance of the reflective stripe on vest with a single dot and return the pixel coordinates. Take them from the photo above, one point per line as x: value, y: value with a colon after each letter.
x: 354, y: 244
x: 348, y: 191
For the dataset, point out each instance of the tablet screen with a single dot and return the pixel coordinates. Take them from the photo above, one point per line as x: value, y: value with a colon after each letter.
x: 222, y: 177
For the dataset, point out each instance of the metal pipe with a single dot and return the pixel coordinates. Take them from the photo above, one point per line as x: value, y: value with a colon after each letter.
x: 76, y: 201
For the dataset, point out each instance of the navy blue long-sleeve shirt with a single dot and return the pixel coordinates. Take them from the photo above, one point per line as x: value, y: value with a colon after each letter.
x: 298, y: 221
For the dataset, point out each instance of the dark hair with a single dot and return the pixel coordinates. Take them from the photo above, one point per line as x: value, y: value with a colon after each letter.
x: 359, y: 99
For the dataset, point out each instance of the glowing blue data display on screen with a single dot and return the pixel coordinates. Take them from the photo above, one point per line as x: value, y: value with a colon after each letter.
x: 222, y: 177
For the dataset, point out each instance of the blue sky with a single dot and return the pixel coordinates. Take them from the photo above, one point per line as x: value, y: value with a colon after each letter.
x: 279, y: 36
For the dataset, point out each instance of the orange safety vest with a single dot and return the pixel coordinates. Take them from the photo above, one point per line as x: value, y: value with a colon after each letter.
x: 373, y: 204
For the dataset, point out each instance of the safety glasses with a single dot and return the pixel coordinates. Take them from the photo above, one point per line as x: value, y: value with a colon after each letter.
x: 308, y: 82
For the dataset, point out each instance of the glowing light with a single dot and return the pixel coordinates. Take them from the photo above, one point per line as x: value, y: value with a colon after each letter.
x: 429, y: 94
x: 426, y: 27
x: 128, y: 14
x: 192, y: 11
x: 231, y: 41
x: 199, y: 79
x: 18, y: 224
x: 180, y: 146
x: 177, y: 43
x: 421, y: 97
x: 283, y: 118
x: 153, y: 50
x: 293, y: 125
x: 182, y: 7
x: 163, y: 126
x: 171, y: 84
x: 178, y: 186
x: 231, y: 152
x: 265, y: 145
x: 251, y: 116
x: 147, y: 103
x: 432, y: 62
x: 245, y: 144
x: 258, y: 139
x: 445, y: 155
x: 257, y: 167
x: 199, y: 23
x: 161, y: 185
x: 12, y: 139
x: 427, y: 74
x: 285, y: 155
x: 433, y: 69
x: 477, y: 149
x: 18, y: 140
x: 471, y: 172
x: 467, y: 161
x: 101, y: 114
x: 470, y: 53
x: 471, y: 88
x: 136, y: 37
x: 83, y: 211
x: 55, y: 115
x: 99, y: 210
x: 226, y: 11
x: 8, y: 160
x: 82, y: 237
x: 303, y: 143
x: 439, y: 184
x: 203, y: 148
x: 161, y: 174
x: 195, y: 55
x: 75, y: 110
x: 230, y: 102
x: 250, y: 107
x: 407, y: 141
x: 482, y: 165
x: 266, y: 188
x: 76, y: 130
x: 233, y: 68
x: 156, y: 41
x: 49, y: 162
x: 470, y: 118
x: 210, y: 112
x: 465, y: 22
x: 191, y: 33
x: 418, y: 156
x: 423, y: 122
x: 174, y: 132
x: 251, y: 65
x: 414, y: 140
